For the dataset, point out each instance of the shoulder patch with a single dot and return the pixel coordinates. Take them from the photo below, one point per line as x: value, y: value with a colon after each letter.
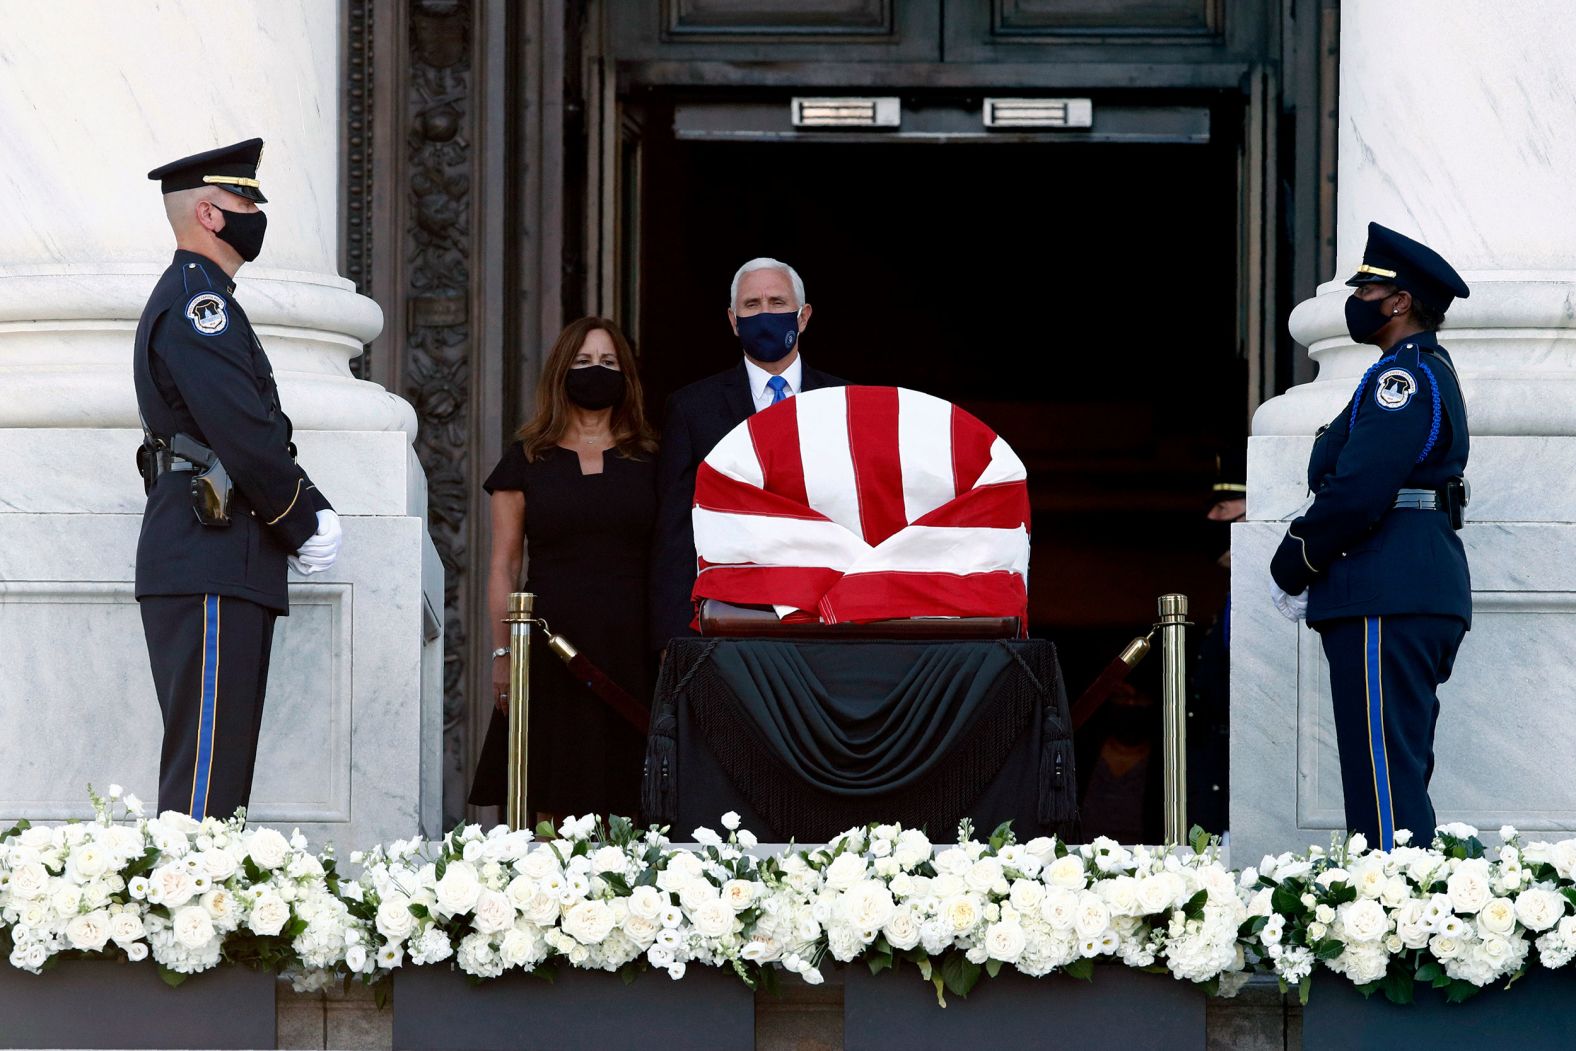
x: 206, y: 311
x: 1394, y: 389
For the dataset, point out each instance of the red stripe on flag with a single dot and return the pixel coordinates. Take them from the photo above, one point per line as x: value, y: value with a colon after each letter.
x: 800, y: 586
x: 775, y: 434
x: 878, y: 469
x: 715, y: 491
x: 1004, y: 505
x: 862, y: 597
x: 971, y: 442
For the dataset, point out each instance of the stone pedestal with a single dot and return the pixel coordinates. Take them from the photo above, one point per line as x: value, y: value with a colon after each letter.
x: 91, y: 98
x: 1449, y: 132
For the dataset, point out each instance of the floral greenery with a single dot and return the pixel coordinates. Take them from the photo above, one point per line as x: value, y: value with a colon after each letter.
x: 607, y: 896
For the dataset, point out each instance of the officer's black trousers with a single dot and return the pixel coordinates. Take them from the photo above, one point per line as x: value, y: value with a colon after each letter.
x: 1384, y: 673
x: 209, y: 655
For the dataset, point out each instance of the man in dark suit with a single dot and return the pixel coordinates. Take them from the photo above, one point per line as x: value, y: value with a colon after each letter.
x: 227, y: 505
x: 768, y: 313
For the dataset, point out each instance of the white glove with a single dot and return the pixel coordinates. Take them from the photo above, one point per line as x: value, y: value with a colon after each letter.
x: 321, y: 548
x: 1292, y: 607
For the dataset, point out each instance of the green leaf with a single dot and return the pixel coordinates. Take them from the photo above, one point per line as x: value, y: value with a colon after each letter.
x: 440, y: 868
x: 1001, y: 836
x: 1369, y: 988
x: 1397, y: 986
x: 545, y: 830
x: 770, y: 982
x: 16, y: 829
x: 1252, y: 926
x: 1429, y: 971
x: 253, y: 872
x: 383, y: 993
x: 940, y: 990
x: 1328, y: 949
x: 1081, y: 968
x: 993, y: 967
x: 173, y: 979
x: 1287, y: 901
x: 1194, y: 909
x: 959, y: 973
x: 1570, y: 894
x: 629, y: 972
x: 419, y: 910
x: 1460, y: 991
x: 1198, y: 839
x: 926, y: 967
x: 879, y: 963
x: 1304, y: 987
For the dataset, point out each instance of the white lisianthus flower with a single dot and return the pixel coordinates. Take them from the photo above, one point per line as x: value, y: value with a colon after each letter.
x: 459, y: 888
x: 1497, y: 917
x: 1067, y: 872
x: 137, y: 951
x: 1468, y: 886
x: 267, y: 848
x: 1458, y: 829
x: 192, y: 926
x: 730, y: 821
x: 747, y: 839
x: 706, y: 837
x: 1539, y: 909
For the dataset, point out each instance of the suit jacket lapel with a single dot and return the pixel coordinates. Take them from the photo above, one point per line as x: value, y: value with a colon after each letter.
x: 737, y: 392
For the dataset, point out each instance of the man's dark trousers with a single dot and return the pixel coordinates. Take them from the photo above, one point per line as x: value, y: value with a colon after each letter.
x: 209, y: 655
x: 1384, y: 674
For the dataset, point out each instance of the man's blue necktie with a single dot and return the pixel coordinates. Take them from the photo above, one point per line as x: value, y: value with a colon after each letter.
x: 779, y: 388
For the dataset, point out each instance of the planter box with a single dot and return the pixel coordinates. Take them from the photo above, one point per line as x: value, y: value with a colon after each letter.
x: 1538, y: 1012
x: 113, y: 1004
x: 438, y: 1008
x: 1120, y: 1008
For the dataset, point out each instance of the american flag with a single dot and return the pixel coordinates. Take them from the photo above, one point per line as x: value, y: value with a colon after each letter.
x: 855, y: 504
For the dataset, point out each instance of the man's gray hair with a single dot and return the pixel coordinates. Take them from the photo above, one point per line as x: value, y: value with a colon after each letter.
x: 765, y: 263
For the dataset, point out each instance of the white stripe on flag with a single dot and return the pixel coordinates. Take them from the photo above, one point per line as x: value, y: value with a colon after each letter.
x: 949, y: 549
x: 735, y: 457
x: 924, y: 447
x: 766, y: 540
x: 829, y: 483
x: 1004, y: 466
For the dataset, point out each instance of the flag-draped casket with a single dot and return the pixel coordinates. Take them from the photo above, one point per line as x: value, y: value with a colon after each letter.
x: 852, y: 504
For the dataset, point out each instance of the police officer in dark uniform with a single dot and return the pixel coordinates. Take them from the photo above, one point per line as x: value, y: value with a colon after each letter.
x: 1376, y: 557
x: 227, y: 505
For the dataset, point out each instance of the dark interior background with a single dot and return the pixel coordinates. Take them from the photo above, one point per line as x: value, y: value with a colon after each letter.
x: 1078, y: 298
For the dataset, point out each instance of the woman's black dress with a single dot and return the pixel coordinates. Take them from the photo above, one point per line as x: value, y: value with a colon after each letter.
x: 587, y: 547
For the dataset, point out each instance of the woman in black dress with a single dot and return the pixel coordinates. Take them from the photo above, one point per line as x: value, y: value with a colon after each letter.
x: 575, y: 494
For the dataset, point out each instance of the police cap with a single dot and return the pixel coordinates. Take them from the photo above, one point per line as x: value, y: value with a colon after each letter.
x: 232, y: 168
x: 1231, y: 475
x: 1410, y: 266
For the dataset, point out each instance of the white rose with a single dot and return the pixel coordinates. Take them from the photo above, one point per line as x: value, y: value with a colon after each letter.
x: 844, y: 871
x: 866, y: 905
x: 65, y: 899
x: 1005, y: 941
x: 902, y: 929
x: 220, y: 865
x: 1059, y: 908
x: 1539, y: 909
x: 983, y: 875
x: 1365, y: 920
x: 193, y: 927
x: 1027, y: 894
x: 267, y: 848
x: 1468, y: 886
x: 911, y: 849
x: 171, y: 885
x: 739, y: 894
x: 1120, y: 895
x: 714, y: 918
x: 543, y: 908
x: 1498, y: 916
x: 88, y: 861
x: 269, y: 915
x: 459, y: 888
x: 539, y: 863
x: 493, y: 912
x: 682, y: 869
x: 89, y: 931
x: 219, y: 903
x: 642, y: 930
x: 1066, y: 871
x: 696, y: 893
x: 1091, y: 917
x: 961, y: 912
x: 1155, y: 894
x: 29, y: 880
x: 730, y: 821
x: 126, y: 927
x: 952, y: 862
x: 1357, y: 844
x: 519, y: 949
x: 394, y: 920
x: 608, y: 859
x: 646, y: 902
x: 589, y: 922
x: 1563, y: 857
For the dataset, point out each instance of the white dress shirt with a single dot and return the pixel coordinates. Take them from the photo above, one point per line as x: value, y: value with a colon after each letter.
x: 760, y: 393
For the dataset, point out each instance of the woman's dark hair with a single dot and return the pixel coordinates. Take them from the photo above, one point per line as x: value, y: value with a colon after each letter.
x: 632, y: 435
x: 1431, y: 318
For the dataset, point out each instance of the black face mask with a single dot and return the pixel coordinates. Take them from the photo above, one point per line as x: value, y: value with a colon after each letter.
x: 595, y: 387
x: 1365, y: 317
x: 243, y: 231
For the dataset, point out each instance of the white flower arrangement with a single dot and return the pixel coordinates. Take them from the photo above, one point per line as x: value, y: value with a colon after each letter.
x: 606, y: 896
x: 1448, y: 915
x: 187, y: 893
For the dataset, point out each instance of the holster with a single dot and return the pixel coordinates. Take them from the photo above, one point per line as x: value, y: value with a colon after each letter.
x: 1456, y: 494
x: 211, y: 488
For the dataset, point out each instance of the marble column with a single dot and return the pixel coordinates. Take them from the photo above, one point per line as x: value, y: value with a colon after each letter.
x: 1454, y: 129
x: 92, y: 96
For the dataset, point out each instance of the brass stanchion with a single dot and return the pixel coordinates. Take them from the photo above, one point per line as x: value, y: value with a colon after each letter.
x: 1173, y: 627
x: 521, y: 605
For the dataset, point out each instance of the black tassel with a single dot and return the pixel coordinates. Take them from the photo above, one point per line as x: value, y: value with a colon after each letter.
x: 659, y: 794
x: 1058, y: 780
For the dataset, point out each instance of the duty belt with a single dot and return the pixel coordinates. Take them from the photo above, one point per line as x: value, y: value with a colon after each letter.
x: 165, y: 461
x: 1419, y: 499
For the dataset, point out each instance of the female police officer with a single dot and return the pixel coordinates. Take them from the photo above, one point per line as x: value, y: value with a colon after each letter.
x: 1377, y: 554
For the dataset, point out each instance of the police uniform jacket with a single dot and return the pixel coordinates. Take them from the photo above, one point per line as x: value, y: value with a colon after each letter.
x: 1353, y: 550
x: 200, y: 370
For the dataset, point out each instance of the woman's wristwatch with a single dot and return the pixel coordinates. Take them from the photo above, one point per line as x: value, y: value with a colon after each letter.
x: 501, y: 651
